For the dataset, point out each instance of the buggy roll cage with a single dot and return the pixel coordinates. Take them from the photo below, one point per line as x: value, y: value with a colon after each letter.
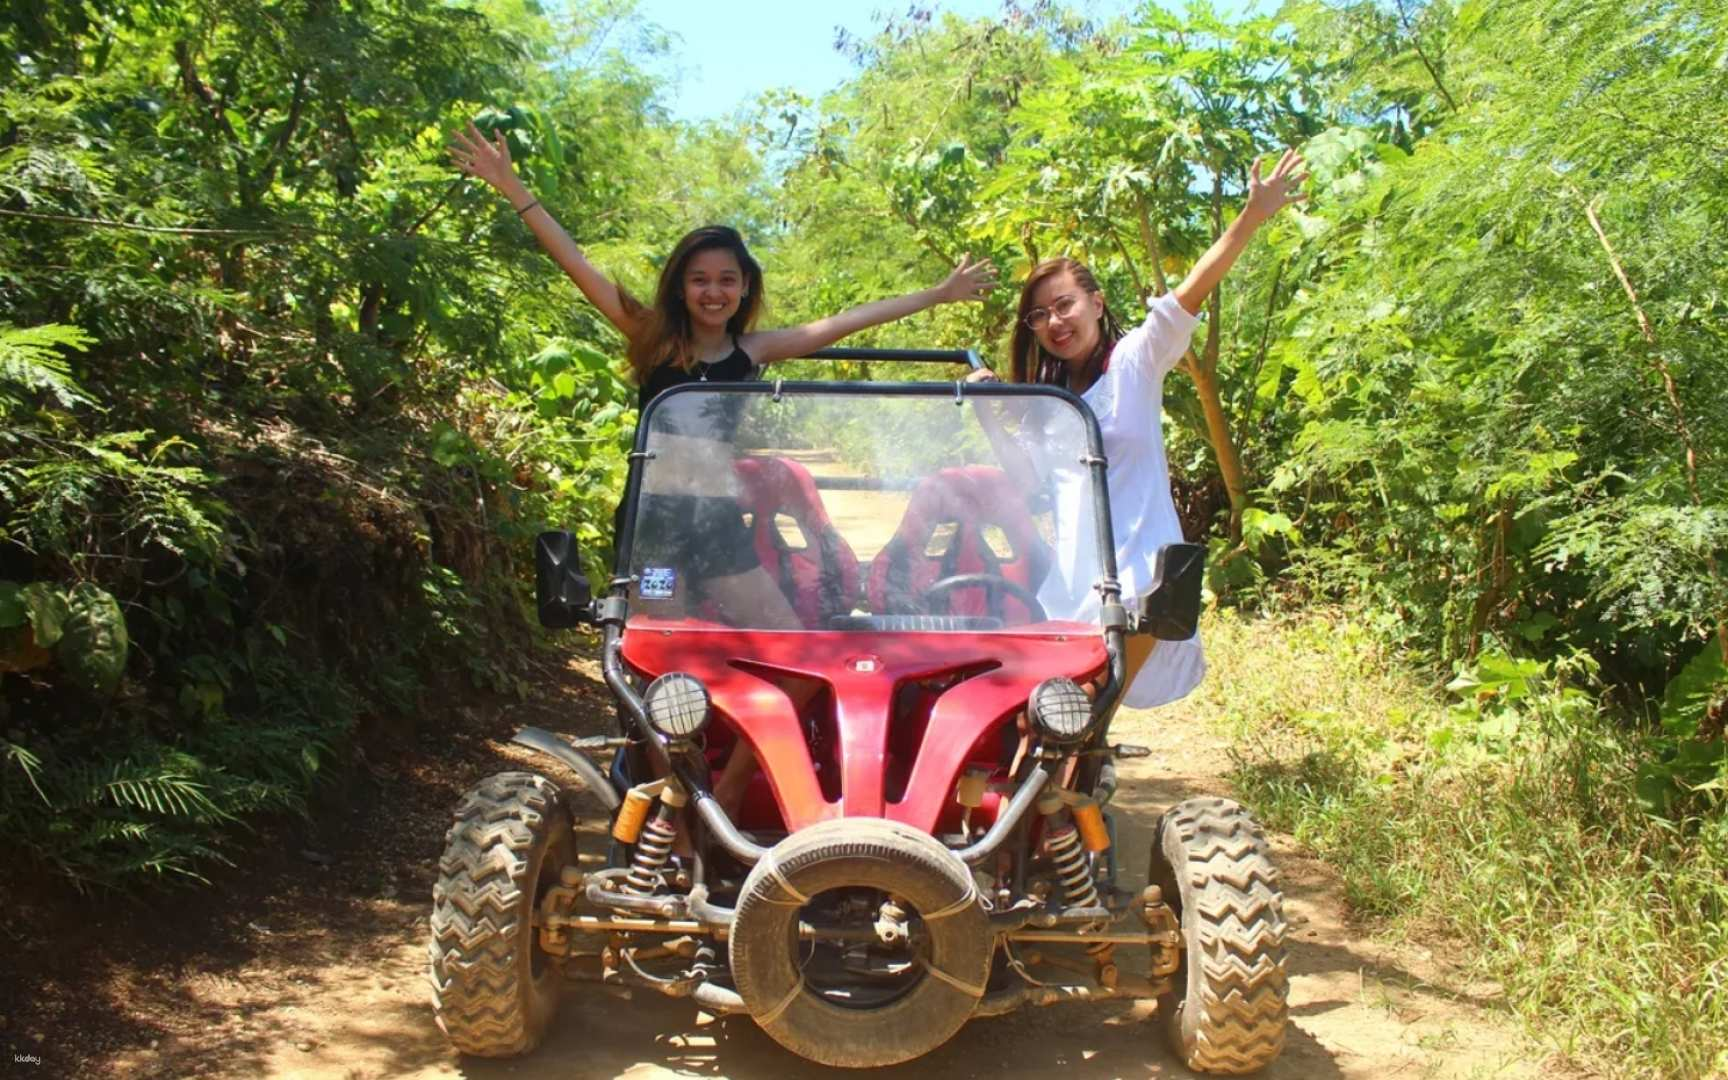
x: 969, y: 357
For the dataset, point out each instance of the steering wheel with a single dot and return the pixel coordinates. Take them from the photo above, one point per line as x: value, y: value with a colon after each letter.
x: 991, y: 583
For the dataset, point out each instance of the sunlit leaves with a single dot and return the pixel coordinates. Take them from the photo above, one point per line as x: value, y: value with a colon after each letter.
x: 31, y: 366
x: 1458, y: 306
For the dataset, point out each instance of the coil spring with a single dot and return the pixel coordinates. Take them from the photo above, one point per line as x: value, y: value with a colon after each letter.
x: 653, y: 848
x: 1069, y: 857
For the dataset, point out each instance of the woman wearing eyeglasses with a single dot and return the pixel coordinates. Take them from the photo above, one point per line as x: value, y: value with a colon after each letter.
x: 1067, y: 336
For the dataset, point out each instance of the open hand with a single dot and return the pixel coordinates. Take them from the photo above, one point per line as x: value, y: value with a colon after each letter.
x: 1268, y: 196
x: 476, y: 155
x: 969, y: 281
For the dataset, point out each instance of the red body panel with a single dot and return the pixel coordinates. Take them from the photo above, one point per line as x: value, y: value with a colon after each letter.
x: 863, y: 669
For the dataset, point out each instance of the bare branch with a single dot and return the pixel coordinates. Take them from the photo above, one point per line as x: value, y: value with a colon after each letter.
x: 106, y: 224
x: 1416, y: 43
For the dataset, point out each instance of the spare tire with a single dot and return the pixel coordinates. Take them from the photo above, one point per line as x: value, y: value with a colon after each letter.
x: 930, y: 883
x: 1229, y: 1006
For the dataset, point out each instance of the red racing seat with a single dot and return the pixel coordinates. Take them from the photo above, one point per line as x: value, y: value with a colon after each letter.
x: 818, y: 577
x: 970, y: 501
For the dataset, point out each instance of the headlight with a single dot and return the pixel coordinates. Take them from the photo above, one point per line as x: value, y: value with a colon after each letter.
x: 677, y: 705
x: 1060, y: 711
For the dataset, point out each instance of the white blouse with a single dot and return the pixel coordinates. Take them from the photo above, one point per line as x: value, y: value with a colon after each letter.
x: 1128, y: 400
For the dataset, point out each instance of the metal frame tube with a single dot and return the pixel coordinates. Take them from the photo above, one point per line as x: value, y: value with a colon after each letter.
x: 613, y: 669
x: 969, y: 357
x: 714, y: 818
x: 1115, y: 937
x: 1022, y: 801
x: 710, y: 914
x: 718, y: 999
x: 1006, y: 1001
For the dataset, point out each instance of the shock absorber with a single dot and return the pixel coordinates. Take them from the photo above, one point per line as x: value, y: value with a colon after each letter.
x: 1068, y: 855
x: 654, y: 843
x: 1062, y: 843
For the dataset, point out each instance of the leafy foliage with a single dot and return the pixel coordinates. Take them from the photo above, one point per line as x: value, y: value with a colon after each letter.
x: 271, y: 373
x: 1480, y: 411
x: 282, y: 397
x: 30, y: 366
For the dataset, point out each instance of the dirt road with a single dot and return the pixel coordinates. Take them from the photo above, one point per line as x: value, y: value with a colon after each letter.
x: 314, y: 964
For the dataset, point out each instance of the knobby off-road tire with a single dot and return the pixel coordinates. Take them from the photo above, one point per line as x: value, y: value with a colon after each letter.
x: 896, y: 859
x: 493, y: 990
x: 1229, y: 1008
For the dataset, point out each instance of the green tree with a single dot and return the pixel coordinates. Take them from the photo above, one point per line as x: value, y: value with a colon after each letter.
x: 1508, y: 353
x: 1135, y: 156
x: 282, y: 396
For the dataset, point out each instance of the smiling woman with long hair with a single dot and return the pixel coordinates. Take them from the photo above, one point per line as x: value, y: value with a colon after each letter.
x: 701, y: 324
x: 1067, y: 336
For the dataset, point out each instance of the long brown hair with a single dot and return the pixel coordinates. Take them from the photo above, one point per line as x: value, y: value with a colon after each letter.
x: 1031, y: 362
x: 663, y: 331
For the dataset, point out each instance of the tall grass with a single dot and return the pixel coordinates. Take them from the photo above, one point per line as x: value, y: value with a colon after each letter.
x: 1502, y: 819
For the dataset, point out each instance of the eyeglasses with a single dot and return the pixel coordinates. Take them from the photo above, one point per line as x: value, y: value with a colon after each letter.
x: 1061, y: 307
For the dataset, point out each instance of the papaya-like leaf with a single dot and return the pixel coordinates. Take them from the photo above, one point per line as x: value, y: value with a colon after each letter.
x: 1691, y: 692
x: 46, y: 606
x: 12, y: 609
x: 93, y: 643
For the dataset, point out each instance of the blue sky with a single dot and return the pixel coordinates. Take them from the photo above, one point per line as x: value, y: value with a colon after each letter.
x: 728, y: 51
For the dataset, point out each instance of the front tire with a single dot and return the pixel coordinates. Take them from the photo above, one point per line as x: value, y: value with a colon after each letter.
x: 494, y: 990
x: 1228, y: 1012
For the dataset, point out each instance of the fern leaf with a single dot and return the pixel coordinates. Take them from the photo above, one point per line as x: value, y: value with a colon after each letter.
x: 30, y: 364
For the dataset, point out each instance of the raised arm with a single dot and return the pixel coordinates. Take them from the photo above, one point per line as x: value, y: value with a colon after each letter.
x: 968, y: 281
x: 1265, y: 198
x: 489, y: 159
x: 1015, y: 461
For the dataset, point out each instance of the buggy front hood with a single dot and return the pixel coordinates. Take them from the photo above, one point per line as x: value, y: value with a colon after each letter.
x: 863, y: 669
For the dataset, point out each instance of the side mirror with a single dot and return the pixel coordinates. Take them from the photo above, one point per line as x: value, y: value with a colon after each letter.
x: 561, y: 590
x: 1172, y: 611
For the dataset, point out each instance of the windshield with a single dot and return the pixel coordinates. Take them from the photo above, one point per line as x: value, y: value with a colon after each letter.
x: 860, y: 510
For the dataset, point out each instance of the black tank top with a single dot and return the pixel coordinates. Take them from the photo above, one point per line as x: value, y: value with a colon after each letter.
x: 735, y: 366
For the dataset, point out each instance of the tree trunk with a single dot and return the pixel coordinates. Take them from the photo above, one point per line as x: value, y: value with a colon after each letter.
x: 1218, y: 433
x: 1204, y: 372
x: 1203, y: 369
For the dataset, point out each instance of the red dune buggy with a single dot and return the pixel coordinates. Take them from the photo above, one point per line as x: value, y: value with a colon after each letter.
x: 860, y: 789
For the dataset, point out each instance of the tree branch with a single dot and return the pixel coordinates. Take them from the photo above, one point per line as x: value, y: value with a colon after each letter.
x: 106, y: 224
x: 1155, y: 252
x: 1416, y: 43
x: 1669, y: 389
x: 1133, y: 270
x: 1215, y: 302
x: 455, y: 186
x: 1266, y: 326
x: 196, y: 86
x: 1028, y: 243
x: 267, y: 172
x: 1190, y: 362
